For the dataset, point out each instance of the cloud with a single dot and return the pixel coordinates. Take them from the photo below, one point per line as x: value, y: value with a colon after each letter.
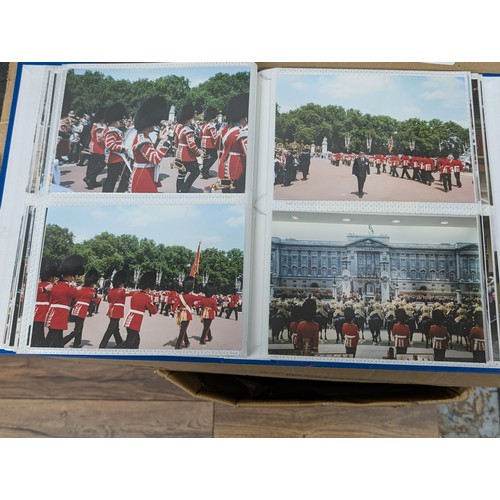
x: 147, y: 216
x: 235, y: 221
x: 449, y: 91
x: 349, y: 85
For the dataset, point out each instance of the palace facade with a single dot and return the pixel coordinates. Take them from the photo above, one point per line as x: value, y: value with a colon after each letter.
x: 370, y: 264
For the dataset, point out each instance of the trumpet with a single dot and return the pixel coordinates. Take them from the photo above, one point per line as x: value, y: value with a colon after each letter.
x: 178, y: 165
x: 218, y: 186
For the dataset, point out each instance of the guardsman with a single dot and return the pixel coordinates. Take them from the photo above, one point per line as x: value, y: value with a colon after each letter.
x: 209, y: 141
x: 458, y: 168
x: 114, y: 151
x: 233, y: 145
x: 445, y: 169
x: 116, y: 309
x: 350, y: 332
x: 234, y: 300
x: 48, y: 273
x: 405, y: 165
x: 86, y: 295
x: 97, y: 161
x: 139, y: 304
x: 476, y: 338
x: 187, y: 152
x: 439, y: 335
x: 145, y: 177
x: 308, y: 329
x: 209, y: 310
x: 186, y: 301
x: 401, y: 332
x: 61, y: 298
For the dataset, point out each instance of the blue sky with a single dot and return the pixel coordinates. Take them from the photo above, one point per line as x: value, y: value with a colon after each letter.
x: 217, y: 226
x: 195, y: 74
x: 380, y: 93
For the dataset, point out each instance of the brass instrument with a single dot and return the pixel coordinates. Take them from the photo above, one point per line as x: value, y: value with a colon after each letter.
x: 178, y: 165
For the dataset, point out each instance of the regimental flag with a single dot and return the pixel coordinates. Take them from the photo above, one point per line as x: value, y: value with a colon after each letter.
x: 195, y: 268
x: 390, y: 144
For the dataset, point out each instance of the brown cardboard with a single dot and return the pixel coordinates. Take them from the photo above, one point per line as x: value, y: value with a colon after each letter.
x: 248, y: 391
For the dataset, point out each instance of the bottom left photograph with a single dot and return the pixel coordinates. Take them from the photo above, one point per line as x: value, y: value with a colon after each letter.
x: 156, y: 277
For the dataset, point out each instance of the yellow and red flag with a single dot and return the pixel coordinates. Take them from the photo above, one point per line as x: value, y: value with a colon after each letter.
x: 195, y: 268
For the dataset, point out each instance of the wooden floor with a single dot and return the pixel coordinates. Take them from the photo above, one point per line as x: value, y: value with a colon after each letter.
x: 49, y: 397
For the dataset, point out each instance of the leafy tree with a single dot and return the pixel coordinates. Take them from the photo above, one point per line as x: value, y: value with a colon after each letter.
x: 58, y: 242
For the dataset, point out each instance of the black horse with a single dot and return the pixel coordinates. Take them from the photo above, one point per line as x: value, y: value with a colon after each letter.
x: 390, y: 321
x: 337, y: 323
x: 375, y: 324
x: 277, y: 324
x: 360, y: 322
x: 424, y: 327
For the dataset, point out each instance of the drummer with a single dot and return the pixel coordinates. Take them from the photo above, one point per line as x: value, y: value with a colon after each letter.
x: 145, y: 176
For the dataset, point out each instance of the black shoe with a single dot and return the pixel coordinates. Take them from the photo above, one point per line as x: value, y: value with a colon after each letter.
x: 187, y: 344
x: 202, y: 342
x: 76, y: 346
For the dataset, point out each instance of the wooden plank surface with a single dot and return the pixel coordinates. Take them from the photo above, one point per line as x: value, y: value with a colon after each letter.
x: 57, y: 397
x: 326, y: 422
x: 100, y: 419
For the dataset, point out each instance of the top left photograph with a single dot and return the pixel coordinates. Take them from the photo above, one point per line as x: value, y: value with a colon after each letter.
x: 153, y: 129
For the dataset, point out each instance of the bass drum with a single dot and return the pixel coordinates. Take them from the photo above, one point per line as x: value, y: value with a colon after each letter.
x: 128, y: 141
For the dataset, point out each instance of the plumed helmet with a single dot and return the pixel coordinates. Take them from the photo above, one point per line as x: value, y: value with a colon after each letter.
x: 185, y: 113
x: 401, y: 315
x: 48, y: 268
x: 210, y: 113
x: 71, y: 266
x: 91, y: 277
x: 148, y: 280
x: 115, y: 112
x: 188, y: 285
x: 349, y: 314
x: 438, y: 316
x: 151, y: 112
x: 309, y: 309
x: 119, y: 278
x: 237, y: 107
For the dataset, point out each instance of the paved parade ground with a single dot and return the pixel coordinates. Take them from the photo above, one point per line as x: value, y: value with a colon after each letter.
x: 328, y: 182
x: 161, y: 332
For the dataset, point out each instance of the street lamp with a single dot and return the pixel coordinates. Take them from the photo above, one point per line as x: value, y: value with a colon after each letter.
x: 369, y: 144
x: 137, y: 275
x: 347, y: 141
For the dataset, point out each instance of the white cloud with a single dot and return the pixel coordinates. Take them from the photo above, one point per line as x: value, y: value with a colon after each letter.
x: 146, y: 216
x: 449, y: 91
x: 348, y: 85
x: 236, y: 221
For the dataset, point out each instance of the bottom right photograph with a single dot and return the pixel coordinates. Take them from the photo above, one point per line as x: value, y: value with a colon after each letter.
x: 407, y: 288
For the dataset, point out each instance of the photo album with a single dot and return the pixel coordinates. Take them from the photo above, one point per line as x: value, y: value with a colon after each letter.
x: 215, y: 212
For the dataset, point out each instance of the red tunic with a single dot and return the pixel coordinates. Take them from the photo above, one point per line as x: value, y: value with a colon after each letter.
x: 147, y: 159
x: 183, y: 313
x: 42, y: 302
x: 234, y: 300
x: 439, y: 336
x: 457, y: 166
x: 60, y: 302
x: 85, y: 295
x: 116, y: 300
x: 308, y: 332
x: 139, y: 304
x: 351, y: 334
x: 97, y: 139
x: 209, y: 307
x: 208, y: 136
x: 444, y: 166
x: 401, y: 333
x: 476, y: 336
x: 233, y: 144
x: 113, y: 143
x: 187, y: 150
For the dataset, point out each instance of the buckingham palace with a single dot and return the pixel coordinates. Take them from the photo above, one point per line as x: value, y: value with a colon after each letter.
x: 366, y: 265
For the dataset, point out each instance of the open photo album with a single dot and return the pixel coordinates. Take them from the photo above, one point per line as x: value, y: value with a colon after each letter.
x: 214, y: 212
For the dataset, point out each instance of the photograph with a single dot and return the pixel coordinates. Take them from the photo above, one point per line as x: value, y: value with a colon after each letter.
x: 141, y: 277
x: 153, y: 129
x: 373, y: 136
x: 377, y: 287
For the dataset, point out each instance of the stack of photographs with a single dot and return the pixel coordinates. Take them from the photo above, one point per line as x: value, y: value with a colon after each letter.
x: 284, y: 216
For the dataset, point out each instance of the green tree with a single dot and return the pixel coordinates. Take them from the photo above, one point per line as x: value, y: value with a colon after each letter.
x: 58, y: 243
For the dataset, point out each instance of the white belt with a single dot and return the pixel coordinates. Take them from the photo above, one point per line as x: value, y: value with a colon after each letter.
x: 117, y: 304
x: 82, y: 303
x: 60, y: 306
x: 141, y: 313
x: 42, y: 303
x: 399, y: 337
x: 143, y: 165
x: 181, y: 144
x: 234, y: 154
x: 349, y: 337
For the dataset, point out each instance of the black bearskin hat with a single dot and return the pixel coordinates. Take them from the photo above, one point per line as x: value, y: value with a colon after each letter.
x: 148, y: 280
x: 188, y: 285
x: 115, y: 113
x: 91, y: 277
x: 438, y: 317
x: 478, y: 318
x: 309, y: 309
x: 349, y: 314
x: 296, y: 313
x: 119, y: 278
x: 209, y: 290
x: 237, y: 107
x: 151, y: 112
x: 210, y: 113
x: 71, y: 266
x: 48, y: 268
x: 99, y: 115
x: 185, y: 113
x: 401, y: 315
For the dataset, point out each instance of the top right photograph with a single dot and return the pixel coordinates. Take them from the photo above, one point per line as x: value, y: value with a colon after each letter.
x: 373, y: 136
